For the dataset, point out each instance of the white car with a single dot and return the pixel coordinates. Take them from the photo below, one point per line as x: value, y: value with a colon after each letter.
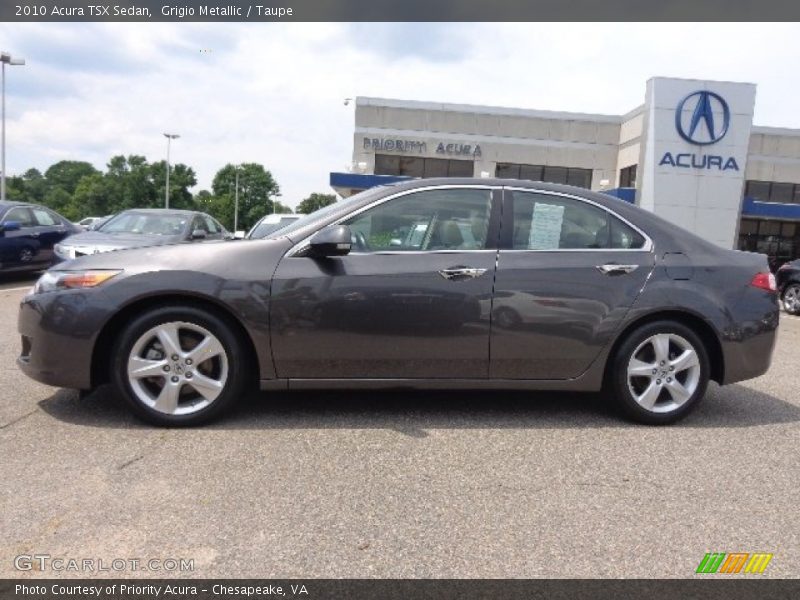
x: 269, y: 224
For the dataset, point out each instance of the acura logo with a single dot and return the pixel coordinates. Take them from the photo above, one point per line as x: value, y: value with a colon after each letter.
x: 702, y: 118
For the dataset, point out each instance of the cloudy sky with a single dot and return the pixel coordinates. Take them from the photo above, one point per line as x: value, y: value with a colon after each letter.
x: 273, y: 93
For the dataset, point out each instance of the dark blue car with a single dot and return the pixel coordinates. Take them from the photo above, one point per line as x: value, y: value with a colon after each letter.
x: 28, y: 233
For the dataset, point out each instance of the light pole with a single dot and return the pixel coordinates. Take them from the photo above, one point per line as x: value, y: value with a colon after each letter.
x: 5, y: 58
x: 236, y: 203
x: 170, y: 137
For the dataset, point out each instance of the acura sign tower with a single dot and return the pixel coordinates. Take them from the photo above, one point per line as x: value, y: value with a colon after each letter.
x: 694, y: 151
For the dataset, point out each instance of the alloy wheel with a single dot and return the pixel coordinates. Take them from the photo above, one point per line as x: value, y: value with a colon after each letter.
x: 25, y: 255
x: 177, y: 368
x: 791, y: 299
x: 663, y: 372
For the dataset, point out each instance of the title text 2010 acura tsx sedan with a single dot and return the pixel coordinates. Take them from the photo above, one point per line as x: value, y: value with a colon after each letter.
x: 448, y: 283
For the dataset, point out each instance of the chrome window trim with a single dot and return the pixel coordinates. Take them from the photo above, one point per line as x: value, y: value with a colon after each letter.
x: 303, y: 244
x: 648, y: 242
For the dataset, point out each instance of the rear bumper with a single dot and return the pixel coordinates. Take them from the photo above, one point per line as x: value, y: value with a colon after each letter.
x: 747, y: 347
x: 57, y: 337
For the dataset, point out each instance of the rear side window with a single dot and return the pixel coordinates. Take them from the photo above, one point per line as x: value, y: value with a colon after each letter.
x: 43, y: 217
x: 548, y: 222
x: 211, y: 225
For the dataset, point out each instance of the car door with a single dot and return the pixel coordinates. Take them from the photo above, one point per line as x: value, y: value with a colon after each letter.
x: 411, y: 300
x: 50, y: 230
x: 21, y: 247
x: 568, y: 271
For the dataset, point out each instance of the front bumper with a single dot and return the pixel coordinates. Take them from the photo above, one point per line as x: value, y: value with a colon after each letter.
x: 58, y: 334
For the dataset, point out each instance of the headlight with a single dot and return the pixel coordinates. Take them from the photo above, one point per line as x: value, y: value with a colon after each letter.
x: 52, y: 281
x: 61, y: 251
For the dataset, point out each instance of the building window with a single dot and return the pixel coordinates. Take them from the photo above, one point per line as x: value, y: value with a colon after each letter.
x: 550, y: 174
x: 779, y: 240
x: 418, y: 166
x: 773, y: 191
x: 627, y: 177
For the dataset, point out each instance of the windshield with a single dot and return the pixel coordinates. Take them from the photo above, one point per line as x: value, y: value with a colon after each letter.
x: 146, y: 224
x: 264, y: 228
x: 325, y: 211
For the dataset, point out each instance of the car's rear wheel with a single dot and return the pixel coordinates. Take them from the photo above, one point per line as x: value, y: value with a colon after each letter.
x: 660, y: 372
x: 178, y: 366
x: 791, y: 298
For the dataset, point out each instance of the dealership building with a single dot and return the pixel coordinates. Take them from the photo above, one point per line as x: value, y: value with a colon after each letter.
x: 690, y: 153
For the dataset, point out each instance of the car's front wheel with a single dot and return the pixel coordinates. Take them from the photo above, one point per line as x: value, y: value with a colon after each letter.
x: 178, y: 366
x: 791, y: 298
x: 660, y: 372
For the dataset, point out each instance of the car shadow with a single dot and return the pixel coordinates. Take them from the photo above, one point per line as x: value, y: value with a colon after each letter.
x: 413, y: 412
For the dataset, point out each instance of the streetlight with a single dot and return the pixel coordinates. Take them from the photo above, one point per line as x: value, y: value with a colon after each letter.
x: 170, y: 137
x: 5, y: 58
x: 236, y: 203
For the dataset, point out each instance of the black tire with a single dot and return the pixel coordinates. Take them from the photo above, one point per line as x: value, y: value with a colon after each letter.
x: 235, y: 356
x: 620, y: 391
x: 791, y: 291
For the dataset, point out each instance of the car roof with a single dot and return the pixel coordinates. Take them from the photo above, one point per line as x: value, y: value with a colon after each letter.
x: 162, y: 211
x: 12, y: 203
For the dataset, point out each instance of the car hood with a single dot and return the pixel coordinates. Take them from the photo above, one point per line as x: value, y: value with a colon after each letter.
x: 246, y: 259
x: 92, y: 242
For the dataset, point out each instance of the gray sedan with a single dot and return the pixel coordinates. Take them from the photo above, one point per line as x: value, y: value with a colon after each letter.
x: 140, y: 228
x: 449, y: 283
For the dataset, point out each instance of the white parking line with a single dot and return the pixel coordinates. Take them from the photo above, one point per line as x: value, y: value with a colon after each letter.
x: 16, y: 289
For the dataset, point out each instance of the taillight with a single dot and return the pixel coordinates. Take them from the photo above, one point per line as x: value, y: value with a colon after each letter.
x: 765, y: 281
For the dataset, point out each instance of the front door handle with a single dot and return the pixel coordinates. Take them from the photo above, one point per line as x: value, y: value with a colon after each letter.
x: 615, y: 269
x: 457, y: 273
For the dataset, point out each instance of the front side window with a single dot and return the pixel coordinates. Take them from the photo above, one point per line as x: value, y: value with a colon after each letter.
x: 548, y: 222
x: 21, y: 215
x: 451, y: 219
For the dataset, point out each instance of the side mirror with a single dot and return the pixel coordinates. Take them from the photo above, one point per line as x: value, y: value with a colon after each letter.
x: 199, y: 234
x: 10, y: 226
x: 333, y: 240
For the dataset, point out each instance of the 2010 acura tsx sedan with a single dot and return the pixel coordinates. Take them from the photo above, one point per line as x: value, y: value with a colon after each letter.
x: 438, y: 283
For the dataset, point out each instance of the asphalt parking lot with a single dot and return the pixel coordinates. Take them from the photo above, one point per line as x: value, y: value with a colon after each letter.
x: 487, y: 484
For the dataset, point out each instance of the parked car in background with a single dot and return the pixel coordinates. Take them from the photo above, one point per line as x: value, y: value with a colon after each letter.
x: 270, y: 224
x: 28, y: 233
x: 138, y: 228
x: 88, y: 222
x: 788, y: 277
x: 390, y: 288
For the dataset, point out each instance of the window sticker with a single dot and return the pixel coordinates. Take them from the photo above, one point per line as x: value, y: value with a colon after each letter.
x: 546, y: 223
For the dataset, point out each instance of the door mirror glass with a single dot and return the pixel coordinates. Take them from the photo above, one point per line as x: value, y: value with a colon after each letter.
x: 333, y: 240
x: 199, y: 234
x: 10, y: 226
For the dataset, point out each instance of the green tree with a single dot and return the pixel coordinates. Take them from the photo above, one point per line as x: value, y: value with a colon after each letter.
x: 66, y: 174
x: 181, y: 178
x: 91, y: 198
x: 257, y: 193
x: 314, y: 202
x: 130, y: 184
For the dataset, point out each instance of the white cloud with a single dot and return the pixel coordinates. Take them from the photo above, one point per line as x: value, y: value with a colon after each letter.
x: 272, y: 93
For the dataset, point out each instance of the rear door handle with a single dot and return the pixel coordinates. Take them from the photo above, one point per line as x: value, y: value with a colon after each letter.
x: 615, y: 269
x: 456, y: 273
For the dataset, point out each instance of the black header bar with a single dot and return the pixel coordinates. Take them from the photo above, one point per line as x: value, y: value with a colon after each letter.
x: 601, y: 11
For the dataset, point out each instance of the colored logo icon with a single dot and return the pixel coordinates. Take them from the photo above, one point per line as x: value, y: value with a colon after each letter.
x: 702, y: 118
x: 736, y: 562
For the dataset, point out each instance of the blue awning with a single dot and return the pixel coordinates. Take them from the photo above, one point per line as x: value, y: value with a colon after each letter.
x: 776, y: 210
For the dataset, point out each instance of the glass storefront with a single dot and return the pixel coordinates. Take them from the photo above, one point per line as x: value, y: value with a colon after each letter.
x: 779, y: 240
